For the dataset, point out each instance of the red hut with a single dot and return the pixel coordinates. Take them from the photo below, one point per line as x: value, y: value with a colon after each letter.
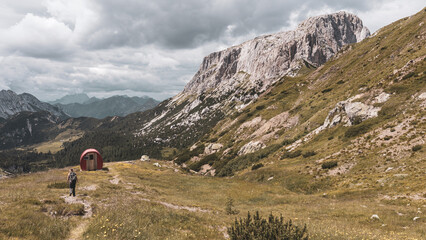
x: 90, y: 160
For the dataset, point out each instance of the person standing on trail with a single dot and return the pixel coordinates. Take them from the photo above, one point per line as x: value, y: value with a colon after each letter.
x: 72, y: 180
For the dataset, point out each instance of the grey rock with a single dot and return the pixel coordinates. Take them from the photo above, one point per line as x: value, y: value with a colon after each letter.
x: 258, y: 62
x: 251, y: 147
x: 212, y: 148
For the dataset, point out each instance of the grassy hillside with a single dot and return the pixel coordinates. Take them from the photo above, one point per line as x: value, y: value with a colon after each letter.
x: 367, y: 153
x: 136, y: 200
x: 340, y: 148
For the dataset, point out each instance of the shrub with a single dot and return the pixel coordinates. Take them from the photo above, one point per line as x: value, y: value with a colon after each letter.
x: 256, y: 166
x: 209, y: 159
x: 408, y: 75
x: 236, y: 163
x: 357, y: 120
x: 288, y: 141
x: 198, y: 150
x: 294, y: 154
x: 186, y: 154
x: 416, y: 148
x: 386, y: 138
x: 389, y: 111
x: 329, y: 165
x: 58, y: 185
x: 230, y: 210
x: 259, y: 228
x: 309, y: 154
x: 357, y: 130
x: 326, y: 90
x: 260, y: 107
x: 183, y: 157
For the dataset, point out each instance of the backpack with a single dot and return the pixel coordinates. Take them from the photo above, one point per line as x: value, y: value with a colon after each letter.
x: 73, y: 177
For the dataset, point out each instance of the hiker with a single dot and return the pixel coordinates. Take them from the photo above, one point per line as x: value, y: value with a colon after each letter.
x: 72, y: 180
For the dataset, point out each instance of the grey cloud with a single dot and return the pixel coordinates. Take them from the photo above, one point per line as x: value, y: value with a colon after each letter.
x: 174, y: 24
x: 142, y: 47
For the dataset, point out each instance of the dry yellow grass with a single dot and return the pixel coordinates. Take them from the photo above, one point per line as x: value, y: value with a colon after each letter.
x: 152, y: 203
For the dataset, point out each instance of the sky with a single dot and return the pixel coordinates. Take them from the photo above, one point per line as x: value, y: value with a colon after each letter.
x: 51, y: 48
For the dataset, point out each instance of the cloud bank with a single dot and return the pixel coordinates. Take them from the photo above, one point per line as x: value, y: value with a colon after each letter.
x: 134, y: 47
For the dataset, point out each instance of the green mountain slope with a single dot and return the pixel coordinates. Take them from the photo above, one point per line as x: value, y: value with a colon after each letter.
x: 373, y: 92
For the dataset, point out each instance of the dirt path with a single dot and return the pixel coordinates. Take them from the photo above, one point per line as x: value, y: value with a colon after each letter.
x: 77, y: 232
x: 177, y: 207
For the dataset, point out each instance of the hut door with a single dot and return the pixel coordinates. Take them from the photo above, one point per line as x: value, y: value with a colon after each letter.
x: 91, y: 161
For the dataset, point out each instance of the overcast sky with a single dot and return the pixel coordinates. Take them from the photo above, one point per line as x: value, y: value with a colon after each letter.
x: 51, y: 48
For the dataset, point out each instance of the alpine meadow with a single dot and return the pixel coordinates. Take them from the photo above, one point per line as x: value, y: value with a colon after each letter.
x: 313, y: 133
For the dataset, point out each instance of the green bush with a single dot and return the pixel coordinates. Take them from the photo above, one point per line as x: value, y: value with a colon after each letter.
x: 183, y: 157
x: 357, y: 130
x: 209, y: 159
x: 58, y: 185
x: 329, y: 165
x: 257, y: 166
x: 294, y: 154
x: 240, y: 162
x: 309, y: 154
x: 260, y: 107
x: 186, y: 154
x: 288, y: 141
x: 386, y: 138
x: 388, y: 111
x: 230, y: 209
x: 416, y: 148
x: 327, y: 90
x: 409, y: 75
x: 258, y: 228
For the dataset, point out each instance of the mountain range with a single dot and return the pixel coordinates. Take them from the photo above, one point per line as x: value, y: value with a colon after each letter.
x: 313, y: 91
x: 324, y: 124
x: 80, y: 105
x: 12, y: 103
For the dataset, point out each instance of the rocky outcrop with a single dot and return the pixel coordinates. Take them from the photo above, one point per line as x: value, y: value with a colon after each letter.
x: 12, y: 103
x: 259, y: 62
x: 351, y: 112
x: 232, y: 79
x: 212, y: 148
x: 251, y: 147
x: 348, y: 112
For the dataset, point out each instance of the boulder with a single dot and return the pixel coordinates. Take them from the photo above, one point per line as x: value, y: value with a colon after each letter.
x: 145, y: 158
x: 157, y: 164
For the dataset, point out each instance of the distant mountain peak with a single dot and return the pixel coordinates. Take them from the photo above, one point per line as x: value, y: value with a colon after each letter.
x: 12, y: 103
x: 72, y: 98
x: 117, y: 105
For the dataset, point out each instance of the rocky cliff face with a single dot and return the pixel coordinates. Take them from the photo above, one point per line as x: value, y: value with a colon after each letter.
x: 233, y: 78
x: 12, y: 103
x: 260, y: 62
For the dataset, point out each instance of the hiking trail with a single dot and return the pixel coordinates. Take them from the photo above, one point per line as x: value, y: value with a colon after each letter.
x: 77, y: 232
